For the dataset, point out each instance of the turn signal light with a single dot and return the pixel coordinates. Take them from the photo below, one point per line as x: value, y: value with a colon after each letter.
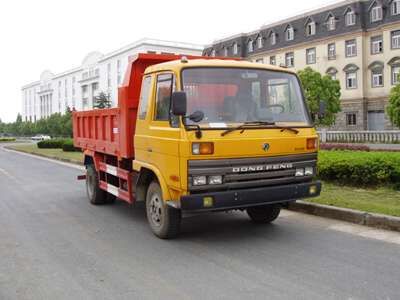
x: 312, y: 143
x: 203, y: 148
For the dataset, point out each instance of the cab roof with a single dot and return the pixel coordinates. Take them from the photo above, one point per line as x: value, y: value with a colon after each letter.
x: 177, y: 65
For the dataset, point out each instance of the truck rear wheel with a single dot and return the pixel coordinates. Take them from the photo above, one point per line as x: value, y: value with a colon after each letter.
x: 96, y: 195
x: 264, y: 214
x: 164, y: 221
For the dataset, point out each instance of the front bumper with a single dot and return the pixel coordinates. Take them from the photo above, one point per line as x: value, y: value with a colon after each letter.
x: 249, y: 197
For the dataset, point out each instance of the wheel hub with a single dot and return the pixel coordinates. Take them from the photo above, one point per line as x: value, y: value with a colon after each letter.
x: 155, y: 210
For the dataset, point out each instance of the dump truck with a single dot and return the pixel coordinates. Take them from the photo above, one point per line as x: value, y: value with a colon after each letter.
x: 200, y: 134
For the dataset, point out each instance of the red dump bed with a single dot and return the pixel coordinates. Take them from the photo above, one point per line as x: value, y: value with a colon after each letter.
x: 111, y: 131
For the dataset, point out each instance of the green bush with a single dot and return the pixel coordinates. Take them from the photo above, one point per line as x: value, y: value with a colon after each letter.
x: 360, y: 168
x: 51, y: 144
x: 6, y: 139
x: 68, y: 146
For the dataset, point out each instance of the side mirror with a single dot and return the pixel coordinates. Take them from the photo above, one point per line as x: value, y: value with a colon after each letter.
x: 322, y: 109
x: 197, y: 116
x: 178, y: 103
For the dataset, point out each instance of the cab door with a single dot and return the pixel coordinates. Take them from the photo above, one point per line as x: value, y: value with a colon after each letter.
x: 143, y: 119
x: 164, y: 131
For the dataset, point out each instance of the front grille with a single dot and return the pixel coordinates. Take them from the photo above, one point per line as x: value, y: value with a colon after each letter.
x: 251, y: 172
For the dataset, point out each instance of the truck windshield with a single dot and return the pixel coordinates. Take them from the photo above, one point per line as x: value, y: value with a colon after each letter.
x: 238, y: 95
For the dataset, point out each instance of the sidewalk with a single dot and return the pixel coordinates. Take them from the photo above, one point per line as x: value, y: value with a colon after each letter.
x: 384, y: 146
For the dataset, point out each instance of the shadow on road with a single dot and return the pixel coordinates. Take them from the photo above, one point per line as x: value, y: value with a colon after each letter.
x: 219, y: 226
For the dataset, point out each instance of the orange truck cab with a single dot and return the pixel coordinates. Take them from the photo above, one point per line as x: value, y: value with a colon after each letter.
x: 194, y: 134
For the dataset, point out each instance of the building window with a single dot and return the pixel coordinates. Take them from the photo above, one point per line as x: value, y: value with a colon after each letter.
x: 95, y: 87
x: 395, y: 7
x: 250, y: 46
x: 109, y: 76
x: 351, y: 48
x: 377, y: 78
x: 376, y: 13
x: 290, y: 33
x: 73, y: 86
x: 351, y: 119
x: 273, y: 38
x: 395, y: 39
x: 331, y: 72
x: 311, y: 56
x: 85, y: 95
x: 311, y: 29
x: 395, y: 74
x: 260, y: 60
x: 272, y: 60
x: 225, y: 51
x: 376, y: 44
x: 350, y: 18
x: 59, y: 89
x: 118, y: 71
x: 331, y: 23
x: 66, y: 87
x: 235, y: 48
x: 351, y: 80
x: 259, y: 42
x: 213, y: 52
x: 331, y: 51
x: 289, y: 59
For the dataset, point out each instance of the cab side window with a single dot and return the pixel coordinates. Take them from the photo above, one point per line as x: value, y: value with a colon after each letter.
x: 163, y: 96
x: 144, y: 97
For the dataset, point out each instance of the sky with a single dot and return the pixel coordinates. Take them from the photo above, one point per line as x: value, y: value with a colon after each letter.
x: 57, y: 35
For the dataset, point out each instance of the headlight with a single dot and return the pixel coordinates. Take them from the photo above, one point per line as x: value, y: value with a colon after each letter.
x: 299, y: 172
x: 215, y: 179
x: 199, y: 180
x: 308, y: 171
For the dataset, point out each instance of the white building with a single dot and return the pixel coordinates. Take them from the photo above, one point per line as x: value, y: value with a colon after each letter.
x: 98, y: 72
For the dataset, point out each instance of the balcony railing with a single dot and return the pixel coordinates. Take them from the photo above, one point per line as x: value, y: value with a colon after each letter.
x: 384, y: 137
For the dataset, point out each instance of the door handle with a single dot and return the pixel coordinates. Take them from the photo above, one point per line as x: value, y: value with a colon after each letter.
x: 149, y: 150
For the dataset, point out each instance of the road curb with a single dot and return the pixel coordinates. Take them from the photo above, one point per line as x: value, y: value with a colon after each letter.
x: 348, y: 215
x: 66, y: 160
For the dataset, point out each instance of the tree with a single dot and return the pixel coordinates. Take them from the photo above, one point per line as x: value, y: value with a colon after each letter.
x: 66, y: 128
x: 393, y: 108
x: 102, y: 101
x: 319, y: 88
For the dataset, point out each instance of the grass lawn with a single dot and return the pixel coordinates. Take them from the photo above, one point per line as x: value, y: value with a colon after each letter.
x: 381, y: 200
x: 51, y: 153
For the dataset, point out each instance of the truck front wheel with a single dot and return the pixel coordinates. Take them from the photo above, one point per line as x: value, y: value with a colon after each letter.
x: 264, y: 214
x: 164, y: 220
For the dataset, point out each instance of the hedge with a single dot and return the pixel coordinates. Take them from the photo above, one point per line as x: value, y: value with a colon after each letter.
x: 6, y: 139
x: 360, y: 168
x: 344, y: 147
x: 51, y: 144
x: 68, y: 146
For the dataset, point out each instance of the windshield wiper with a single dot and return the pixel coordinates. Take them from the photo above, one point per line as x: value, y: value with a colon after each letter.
x: 246, y: 125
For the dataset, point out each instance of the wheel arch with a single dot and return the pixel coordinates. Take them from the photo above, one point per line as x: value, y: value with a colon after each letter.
x: 92, y: 158
x: 147, y: 174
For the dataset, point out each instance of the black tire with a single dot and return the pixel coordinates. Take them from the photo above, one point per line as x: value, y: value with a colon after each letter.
x: 164, y: 221
x: 96, y: 195
x: 264, y: 214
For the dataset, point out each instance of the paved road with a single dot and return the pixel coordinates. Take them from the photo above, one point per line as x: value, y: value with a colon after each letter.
x: 54, y: 245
